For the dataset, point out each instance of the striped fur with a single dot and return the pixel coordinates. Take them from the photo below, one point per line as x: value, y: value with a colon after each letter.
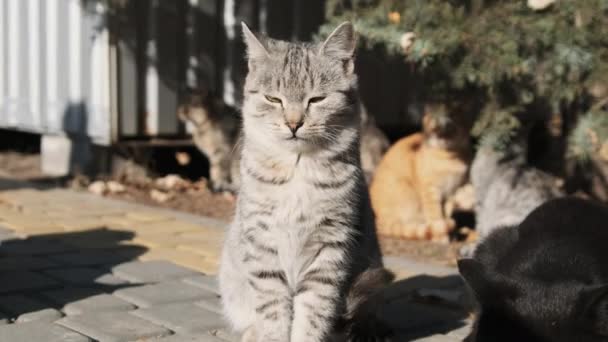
x: 506, y: 188
x: 303, y: 230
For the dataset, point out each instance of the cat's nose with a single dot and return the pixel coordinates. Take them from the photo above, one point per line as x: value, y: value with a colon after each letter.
x: 294, y: 125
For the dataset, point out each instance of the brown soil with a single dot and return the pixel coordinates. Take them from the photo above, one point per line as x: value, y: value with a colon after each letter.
x: 196, y: 201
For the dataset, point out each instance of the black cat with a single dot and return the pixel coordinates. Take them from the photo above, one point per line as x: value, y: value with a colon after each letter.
x: 545, y: 280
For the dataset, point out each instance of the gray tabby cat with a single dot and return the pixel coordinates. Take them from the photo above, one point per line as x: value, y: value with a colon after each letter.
x: 374, y: 144
x: 301, y: 256
x: 215, y: 134
x: 506, y: 188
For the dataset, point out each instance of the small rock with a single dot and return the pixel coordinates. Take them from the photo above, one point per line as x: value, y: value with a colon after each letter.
x: 183, y: 158
x: 98, y: 188
x: 170, y: 182
x: 115, y: 187
x: 229, y: 196
x: 160, y: 196
x: 539, y: 5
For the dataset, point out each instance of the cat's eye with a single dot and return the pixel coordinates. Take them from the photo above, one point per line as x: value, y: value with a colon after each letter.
x: 273, y: 99
x: 315, y: 99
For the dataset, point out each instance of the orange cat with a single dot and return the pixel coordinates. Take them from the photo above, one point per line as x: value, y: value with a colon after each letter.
x: 416, y: 177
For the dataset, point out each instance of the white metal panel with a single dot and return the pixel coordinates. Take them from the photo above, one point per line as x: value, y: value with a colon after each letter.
x: 229, y: 23
x: 97, y: 59
x: 33, y: 12
x: 54, y: 68
x: 3, y: 75
x: 75, y: 55
x: 53, y: 110
x: 12, y: 101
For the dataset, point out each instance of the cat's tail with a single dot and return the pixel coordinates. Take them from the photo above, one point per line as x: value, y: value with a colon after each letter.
x: 360, y: 321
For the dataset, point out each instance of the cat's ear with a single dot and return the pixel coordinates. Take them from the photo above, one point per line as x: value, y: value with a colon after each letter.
x: 341, y: 44
x: 255, y: 48
x: 595, y: 309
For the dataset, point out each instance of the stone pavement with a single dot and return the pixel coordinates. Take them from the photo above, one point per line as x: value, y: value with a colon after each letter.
x: 77, y: 267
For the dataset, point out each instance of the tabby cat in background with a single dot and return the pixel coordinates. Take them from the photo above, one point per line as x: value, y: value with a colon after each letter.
x: 417, y: 176
x: 374, y: 144
x: 506, y: 188
x: 215, y: 134
x: 301, y: 260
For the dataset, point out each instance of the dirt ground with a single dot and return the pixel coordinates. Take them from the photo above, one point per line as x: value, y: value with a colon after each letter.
x: 193, y: 197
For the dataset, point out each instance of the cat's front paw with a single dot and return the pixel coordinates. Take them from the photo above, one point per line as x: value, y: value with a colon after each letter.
x: 439, y: 230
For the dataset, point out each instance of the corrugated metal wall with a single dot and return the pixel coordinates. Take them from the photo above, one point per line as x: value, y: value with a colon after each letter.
x: 168, y: 45
x: 68, y: 67
x: 54, y: 68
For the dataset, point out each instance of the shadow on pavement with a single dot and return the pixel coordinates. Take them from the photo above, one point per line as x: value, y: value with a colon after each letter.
x: 45, y: 272
x: 425, y: 305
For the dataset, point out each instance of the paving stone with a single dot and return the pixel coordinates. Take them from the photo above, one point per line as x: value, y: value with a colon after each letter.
x: 24, y: 281
x: 162, y: 293
x: 407, y: 317
x: 4, y: 237
x: 81, y: 223
x: 409, y: 286
x: 45, y: 315
x: 98, y: 238
x: 7, y: 234
x: 100, y: 257
x: 34, y: 247
x: 92, y: 244
x: 38, y: 232
x: 113, y: 326
x: 182, y: 258
x: 76, y: 301
x: 86, y: 276
x: 148, y: 216
x: 203, y: 281
x: 163, y: 239
x: 208, y: 249
x: 4, y: 318
x: 183, y: 318
x: 408, y: 267
x: 151, y: 271
x: 205, y: 234
x: 39, y: 331
x: 212, y: 304
x: 23, y: 223
x: 22, y: 263
x: 28, y: 309
x: 228, y: 335
x: 118, y: 221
